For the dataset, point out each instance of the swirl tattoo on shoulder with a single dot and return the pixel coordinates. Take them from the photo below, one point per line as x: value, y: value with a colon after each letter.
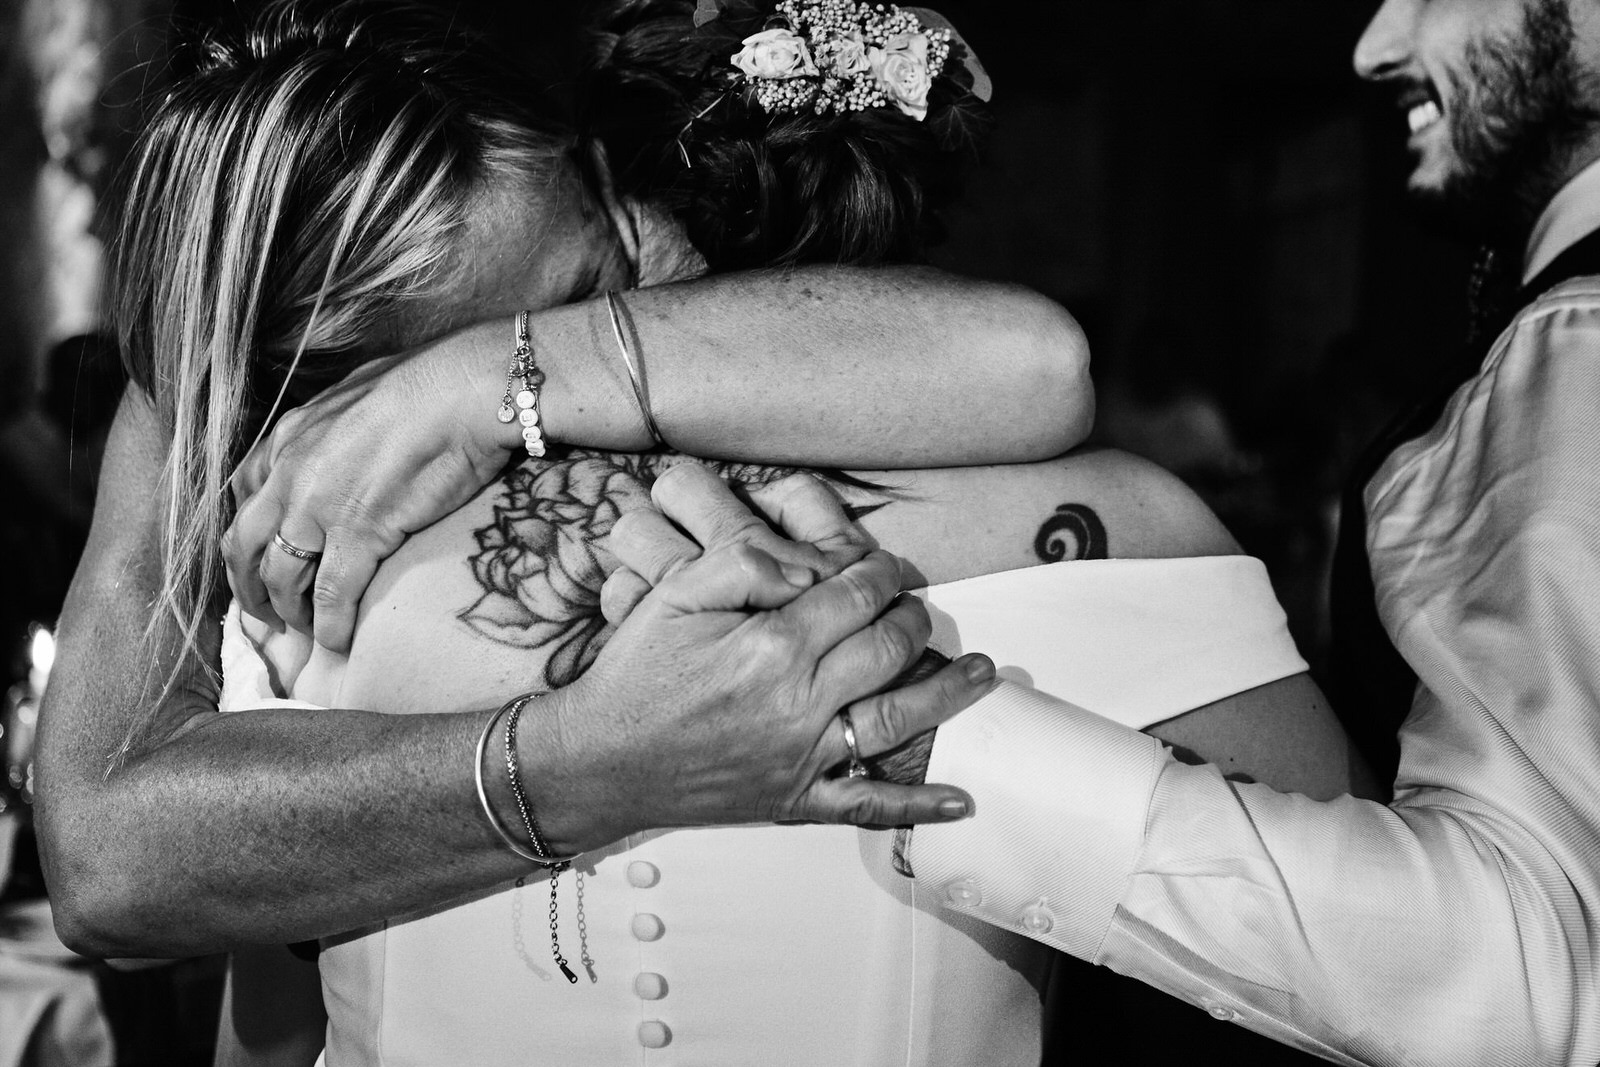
x: 1074, y: 531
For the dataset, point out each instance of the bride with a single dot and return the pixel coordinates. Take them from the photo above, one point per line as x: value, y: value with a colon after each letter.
x: 728, y: 945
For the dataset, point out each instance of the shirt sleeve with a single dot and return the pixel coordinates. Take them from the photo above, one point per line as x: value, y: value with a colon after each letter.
x: 1453, y: 926
x: 1418, y: 934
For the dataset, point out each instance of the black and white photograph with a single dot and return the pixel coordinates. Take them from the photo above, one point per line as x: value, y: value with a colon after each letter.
x: 799, y: 533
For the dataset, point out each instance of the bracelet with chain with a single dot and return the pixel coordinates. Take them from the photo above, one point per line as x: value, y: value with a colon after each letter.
x: 557, y: 864
x: 523, y: 404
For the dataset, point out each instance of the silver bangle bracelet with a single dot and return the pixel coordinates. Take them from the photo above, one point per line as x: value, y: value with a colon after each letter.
x: 488, y: 809
x: 635, y: 375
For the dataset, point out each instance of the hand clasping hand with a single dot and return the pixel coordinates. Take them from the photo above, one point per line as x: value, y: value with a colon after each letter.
x: 653, y: 550
x: 706, y: 707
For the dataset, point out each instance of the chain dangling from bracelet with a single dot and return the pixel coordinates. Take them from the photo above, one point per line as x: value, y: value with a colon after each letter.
x: 555, y: 935
x: 541, y: 849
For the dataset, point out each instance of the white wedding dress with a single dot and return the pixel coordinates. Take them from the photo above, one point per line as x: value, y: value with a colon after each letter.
x: 756, y: 946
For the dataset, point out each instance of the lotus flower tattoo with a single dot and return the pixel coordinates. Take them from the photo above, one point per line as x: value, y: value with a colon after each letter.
x: 542, y: 560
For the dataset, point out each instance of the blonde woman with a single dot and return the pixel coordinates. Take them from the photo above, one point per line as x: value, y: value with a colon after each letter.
x: 332, y: 184
x: 353, y: 206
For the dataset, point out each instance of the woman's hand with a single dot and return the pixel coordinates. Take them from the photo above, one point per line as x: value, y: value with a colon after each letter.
x: 700, y: 517
x: 400, y: 443
x: 729, y: 705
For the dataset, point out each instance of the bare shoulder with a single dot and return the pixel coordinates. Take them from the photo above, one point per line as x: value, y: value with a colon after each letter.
x: 503, y: 595
x: 1159, y: 515
x: 1088, y: 504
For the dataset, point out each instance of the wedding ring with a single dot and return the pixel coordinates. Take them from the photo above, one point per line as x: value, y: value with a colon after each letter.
x: 295, y: 550
x: 857, y: 768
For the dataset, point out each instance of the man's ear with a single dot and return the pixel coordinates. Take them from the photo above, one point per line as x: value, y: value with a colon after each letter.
x: 621, y: 210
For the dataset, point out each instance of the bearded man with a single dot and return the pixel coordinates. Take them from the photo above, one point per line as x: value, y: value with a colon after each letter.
x: 1456, y: 924
x: 1502, y: 103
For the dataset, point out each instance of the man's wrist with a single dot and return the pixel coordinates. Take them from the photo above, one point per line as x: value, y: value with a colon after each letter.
x: 906, y: 765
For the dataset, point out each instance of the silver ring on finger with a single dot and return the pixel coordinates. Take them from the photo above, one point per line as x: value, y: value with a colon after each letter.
x: 857, y: 768
x: 296, y: 551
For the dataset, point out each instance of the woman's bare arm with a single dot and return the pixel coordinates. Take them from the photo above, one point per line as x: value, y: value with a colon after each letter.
x: 285, y: 824
x: 824, y: 367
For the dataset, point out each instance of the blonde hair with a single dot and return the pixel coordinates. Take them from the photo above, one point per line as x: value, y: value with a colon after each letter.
x: 312, y: 173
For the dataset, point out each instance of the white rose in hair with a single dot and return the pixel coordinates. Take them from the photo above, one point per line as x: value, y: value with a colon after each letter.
x: 901, y: 66
x: 845, y: 55
x: 776, y: 54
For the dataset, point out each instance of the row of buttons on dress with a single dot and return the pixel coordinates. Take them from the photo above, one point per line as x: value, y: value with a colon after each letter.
x: 647, y: 985
x: 1036, y: 919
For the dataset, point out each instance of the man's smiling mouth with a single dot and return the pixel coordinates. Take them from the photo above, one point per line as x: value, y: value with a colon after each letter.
x: 1422, y: 115
x: 1417, y: 100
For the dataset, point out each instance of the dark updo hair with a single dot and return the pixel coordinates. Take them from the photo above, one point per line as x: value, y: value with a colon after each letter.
x: 757, y: 189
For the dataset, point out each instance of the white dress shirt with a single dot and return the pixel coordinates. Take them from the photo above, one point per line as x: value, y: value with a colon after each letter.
x: 1456, y: 925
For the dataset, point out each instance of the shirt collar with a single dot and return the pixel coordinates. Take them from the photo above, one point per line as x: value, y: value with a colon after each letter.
x: 1572, y: 214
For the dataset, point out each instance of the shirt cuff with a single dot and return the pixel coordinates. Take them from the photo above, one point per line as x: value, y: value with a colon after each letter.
x: 1061, y: 800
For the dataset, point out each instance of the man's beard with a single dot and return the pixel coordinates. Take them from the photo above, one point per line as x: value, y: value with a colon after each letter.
x: 1516, y: 117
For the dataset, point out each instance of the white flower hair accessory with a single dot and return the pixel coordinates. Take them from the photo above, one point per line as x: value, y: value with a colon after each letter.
x: 833, y: 56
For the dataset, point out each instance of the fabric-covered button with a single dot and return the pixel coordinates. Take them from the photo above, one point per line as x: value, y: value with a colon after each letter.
x: 647, y: 927
x: 1037, y: 919
x: 963, y: 894
x: 1219, y: 1012
x: 649, y: 986
x: 643, y: 875
x: 653, y: 1033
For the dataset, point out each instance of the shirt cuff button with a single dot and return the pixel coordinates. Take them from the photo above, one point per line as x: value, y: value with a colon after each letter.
x: 963, y: 894
x: 1037, y: 920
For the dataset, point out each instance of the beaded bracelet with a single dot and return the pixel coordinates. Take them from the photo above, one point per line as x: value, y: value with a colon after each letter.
x: 526, y: 410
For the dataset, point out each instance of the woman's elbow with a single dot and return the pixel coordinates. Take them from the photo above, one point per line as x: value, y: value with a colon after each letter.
x: 89, y: 907
x: 99, y: 899
x: 86, y: 921
x: 1052, y: 355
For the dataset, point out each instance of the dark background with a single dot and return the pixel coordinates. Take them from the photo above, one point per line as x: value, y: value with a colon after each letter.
x: 1203, y: 183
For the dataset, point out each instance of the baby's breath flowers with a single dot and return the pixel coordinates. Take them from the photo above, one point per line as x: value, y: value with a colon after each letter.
x: 831, y: 56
